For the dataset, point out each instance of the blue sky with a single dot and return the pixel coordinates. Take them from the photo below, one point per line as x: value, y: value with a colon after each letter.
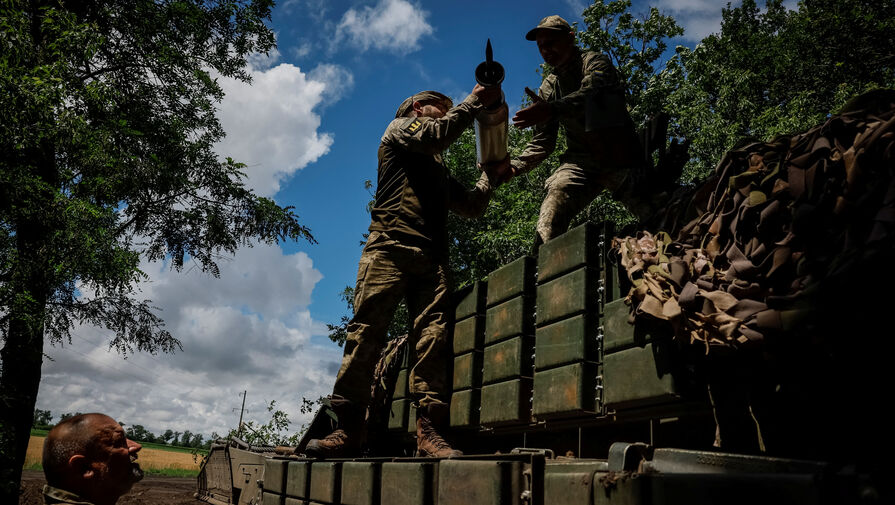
x: 308, y: 129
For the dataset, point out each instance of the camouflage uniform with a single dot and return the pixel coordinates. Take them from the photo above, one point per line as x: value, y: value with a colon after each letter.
x: 577, y: 86
x: 55, y: 496
x: 406, y: 253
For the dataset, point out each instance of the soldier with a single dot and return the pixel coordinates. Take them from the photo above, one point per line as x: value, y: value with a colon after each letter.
x: 585, y: 95
x: 406, y: 257
x: 87, y: 460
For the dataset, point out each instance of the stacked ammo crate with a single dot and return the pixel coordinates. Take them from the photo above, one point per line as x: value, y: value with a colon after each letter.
x: 402, y: 418
x: 569, y: 302
x: 509, y: 339
x: 468, y: 338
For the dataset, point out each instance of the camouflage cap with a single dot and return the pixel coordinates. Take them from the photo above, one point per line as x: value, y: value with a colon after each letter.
x: 422, y: 96
x: 553, y: 22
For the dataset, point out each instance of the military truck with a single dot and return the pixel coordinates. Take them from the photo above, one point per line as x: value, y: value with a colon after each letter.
x: 569, y: 388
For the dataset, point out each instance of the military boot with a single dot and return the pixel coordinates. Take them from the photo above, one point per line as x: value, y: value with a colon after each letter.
x: 346, y: 439
x: 429, y: 442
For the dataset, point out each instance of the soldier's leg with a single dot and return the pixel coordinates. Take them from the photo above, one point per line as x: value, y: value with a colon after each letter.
x: 428, y: 304
x: 569, y: 190
x: 381, y: 284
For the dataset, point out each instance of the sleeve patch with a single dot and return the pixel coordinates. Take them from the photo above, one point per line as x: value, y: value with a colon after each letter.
x: 414, y: 126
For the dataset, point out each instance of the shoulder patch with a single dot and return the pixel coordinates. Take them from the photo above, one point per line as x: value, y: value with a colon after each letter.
x: 414, y: 125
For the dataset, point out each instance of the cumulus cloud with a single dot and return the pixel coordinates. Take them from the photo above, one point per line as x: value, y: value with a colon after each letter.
x: 390, y: 25
x: 272, y: 125
x: 250, y: 330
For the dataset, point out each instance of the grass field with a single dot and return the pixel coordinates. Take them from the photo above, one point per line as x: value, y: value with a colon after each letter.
x: 154, y: 458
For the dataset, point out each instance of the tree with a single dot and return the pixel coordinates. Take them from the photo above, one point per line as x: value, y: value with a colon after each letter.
x: 105, y: 156
x: 166, y: 437
x: 775, y: 71
x: 140, y: 434
x: 42, y: 418
x: 273, y: 432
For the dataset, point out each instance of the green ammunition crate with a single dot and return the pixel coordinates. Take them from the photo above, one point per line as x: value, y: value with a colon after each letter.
x: 506, y: 402
x: 271, y: 498
x: 638, y: 376
x: 360, y: 483
x: 573, y: 293
x: 298, y: 479
x: 510, y: 318
x: 580, y: 246
x: 567, y: 341
x: 470, y: 300
x: 465, y: 408
x: 401, y: 385
x: 469, y: 334
x: 618, y: 334
x: 573, y: 482
x: 326, y: 481
x: 507, y: 360
x: 513, y: 279
x: 406, y: 483
x: 397, y: 418
x: 480, y: 482
x: 567, y: 390
x: 275, y: 475
x: 468, y: 370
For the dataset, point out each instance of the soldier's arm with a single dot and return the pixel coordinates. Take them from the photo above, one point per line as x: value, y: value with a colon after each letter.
x: 599, y: 76
x: 543, y: 140
x: 473, y: 202
x: 432, y: 136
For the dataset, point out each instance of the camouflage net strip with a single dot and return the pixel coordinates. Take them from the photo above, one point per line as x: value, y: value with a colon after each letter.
x: 784, y: 216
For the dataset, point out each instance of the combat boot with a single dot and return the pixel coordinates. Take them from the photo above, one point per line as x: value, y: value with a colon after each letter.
x: 429, y: 442
x: 346, y: 439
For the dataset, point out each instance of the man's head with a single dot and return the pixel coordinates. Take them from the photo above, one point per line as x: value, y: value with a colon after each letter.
x: 424, y: 104
x: 89, y: 455
x: 555, y: 38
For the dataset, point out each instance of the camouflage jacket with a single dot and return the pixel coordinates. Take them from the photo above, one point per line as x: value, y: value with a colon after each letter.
x: 55, y: 496
x: 415, y: 190
x: 568, y: 89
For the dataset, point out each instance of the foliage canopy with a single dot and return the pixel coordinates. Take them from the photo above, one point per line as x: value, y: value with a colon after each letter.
x: 106, y: 157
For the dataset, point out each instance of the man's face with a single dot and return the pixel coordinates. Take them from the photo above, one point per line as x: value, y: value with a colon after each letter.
x: 113, y: 458
x: 433, y: 110
x: 556, y: 47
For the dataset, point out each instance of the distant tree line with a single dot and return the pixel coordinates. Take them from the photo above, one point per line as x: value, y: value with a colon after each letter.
x: 43, y: 420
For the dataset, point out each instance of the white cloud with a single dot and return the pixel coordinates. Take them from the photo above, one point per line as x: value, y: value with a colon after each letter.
x: 338, y: 80
x: 390, y: 25
x: 272, y: 125
x: 250, y: 330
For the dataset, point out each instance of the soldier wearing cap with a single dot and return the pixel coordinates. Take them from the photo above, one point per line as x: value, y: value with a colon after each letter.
x: 585, y: 95
x: 406, y: 257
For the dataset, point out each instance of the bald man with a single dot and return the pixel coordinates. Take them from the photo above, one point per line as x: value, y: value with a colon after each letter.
x: 88, y: 460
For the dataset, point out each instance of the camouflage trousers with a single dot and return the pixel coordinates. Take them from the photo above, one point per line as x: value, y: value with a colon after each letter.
x: 389, y: 272
x: 570, y: 189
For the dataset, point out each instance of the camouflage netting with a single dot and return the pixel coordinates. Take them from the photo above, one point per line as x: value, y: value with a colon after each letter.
x: 789, y: 222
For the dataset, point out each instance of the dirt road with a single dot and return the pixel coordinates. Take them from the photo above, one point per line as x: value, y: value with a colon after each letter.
x: 152, y: 490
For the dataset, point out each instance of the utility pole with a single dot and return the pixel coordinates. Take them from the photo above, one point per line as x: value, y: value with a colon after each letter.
x: 241, y: 410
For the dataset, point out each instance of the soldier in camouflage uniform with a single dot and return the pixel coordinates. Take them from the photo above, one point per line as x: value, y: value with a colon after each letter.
x: 585, y: 95
x: 88, y: 460
x: 405, y: 257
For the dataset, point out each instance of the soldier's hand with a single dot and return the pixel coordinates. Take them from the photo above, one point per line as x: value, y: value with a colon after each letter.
x: 488, y: 95
x: 538, y: 112
x: 498, y: 171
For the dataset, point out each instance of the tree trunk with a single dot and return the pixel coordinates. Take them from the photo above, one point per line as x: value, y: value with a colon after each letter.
x: 21, y: 358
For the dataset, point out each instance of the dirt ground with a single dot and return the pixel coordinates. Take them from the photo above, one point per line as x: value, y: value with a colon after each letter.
x: 152, y: 490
